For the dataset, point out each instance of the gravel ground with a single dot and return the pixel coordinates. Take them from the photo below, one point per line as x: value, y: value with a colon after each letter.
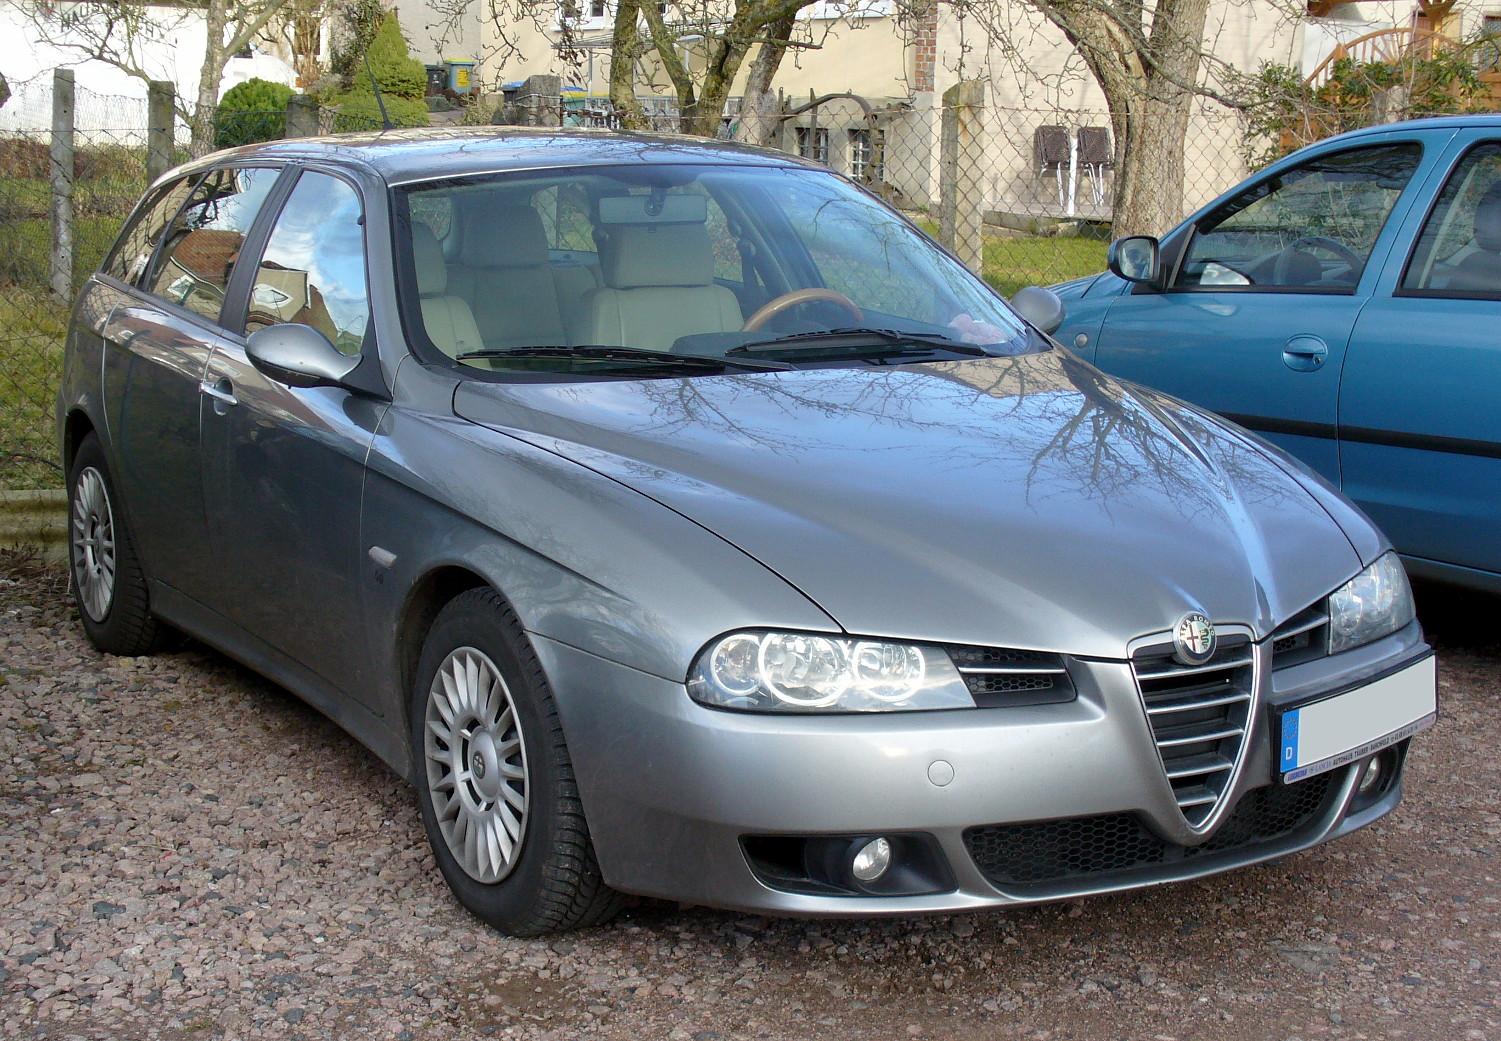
x: 190, y: 852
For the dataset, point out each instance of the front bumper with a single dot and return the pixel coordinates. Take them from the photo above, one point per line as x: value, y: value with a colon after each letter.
x: 671, y: 788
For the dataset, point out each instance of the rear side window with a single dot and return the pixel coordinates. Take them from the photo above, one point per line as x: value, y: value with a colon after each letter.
x: 1459, y: 252
x: 313, y: 270
x: 132, y: 251
x: 197, y: 254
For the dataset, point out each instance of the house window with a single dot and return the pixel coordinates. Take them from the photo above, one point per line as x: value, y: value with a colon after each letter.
x: 865, y: 162
x: 813, y: 143
x: 1488, y: 56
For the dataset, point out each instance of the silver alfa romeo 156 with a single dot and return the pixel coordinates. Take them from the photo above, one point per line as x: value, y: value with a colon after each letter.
x: 682, y: 521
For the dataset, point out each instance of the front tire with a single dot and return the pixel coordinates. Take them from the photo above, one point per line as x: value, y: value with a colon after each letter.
x: 108, y: 583
x: 495, y: 784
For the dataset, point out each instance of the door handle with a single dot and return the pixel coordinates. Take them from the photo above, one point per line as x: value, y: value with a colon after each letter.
x: 1305, y: 353
x: 222, y: 391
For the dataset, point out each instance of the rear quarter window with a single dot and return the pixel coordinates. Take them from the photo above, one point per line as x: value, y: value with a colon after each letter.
x: 131, y: 254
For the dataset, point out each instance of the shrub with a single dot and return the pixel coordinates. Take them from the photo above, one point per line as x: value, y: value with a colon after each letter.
x: 1285, y: 113
x: 255, y: 110
x: 360, y: 112
x: 398, y: 73
x: 402, y: 79
x: 358, y: 22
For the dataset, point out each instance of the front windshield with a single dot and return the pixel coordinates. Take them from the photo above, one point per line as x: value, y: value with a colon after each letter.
x: 545, y: 271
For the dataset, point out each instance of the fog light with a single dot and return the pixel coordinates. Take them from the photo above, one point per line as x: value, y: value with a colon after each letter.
x: 1371, y: 775
x: 871, y: 861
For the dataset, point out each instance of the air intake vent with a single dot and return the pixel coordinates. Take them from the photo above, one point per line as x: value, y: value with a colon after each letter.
x: 1199, y: 716
x: 1048, y: 852
x: 999, y: 677
x: 1303, y: 637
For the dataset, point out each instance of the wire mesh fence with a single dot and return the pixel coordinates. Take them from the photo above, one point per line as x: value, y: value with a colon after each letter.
x: 108, y: 174
x: 1024, y: 196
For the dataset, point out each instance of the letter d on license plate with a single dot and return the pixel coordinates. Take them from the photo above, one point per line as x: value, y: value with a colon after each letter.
x: 1338, y: 730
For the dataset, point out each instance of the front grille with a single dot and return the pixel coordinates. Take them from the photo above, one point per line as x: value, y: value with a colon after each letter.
x: 1052, y: 851
x: 1199, y: 716
x: 1000, y: 676
x: 1303, y: 637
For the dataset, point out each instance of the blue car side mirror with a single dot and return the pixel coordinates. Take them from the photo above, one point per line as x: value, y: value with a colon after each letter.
x: 1138, y: 259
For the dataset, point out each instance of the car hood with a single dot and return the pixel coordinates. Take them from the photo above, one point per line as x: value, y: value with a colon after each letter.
x: 1029, y: 501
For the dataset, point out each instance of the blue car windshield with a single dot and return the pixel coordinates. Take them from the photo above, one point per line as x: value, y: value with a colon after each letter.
x: 614, y: 267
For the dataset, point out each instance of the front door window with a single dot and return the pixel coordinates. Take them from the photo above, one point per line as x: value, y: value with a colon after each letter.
x: 1309, y: 229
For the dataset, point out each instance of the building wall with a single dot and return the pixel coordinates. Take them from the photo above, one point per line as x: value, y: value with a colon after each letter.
x: 866, y: 55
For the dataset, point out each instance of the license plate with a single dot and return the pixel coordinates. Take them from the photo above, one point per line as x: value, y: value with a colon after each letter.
x: 1335, y: 731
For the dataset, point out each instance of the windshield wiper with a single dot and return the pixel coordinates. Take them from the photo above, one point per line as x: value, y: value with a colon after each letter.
x: 627, y: 354
x: 887, y: 337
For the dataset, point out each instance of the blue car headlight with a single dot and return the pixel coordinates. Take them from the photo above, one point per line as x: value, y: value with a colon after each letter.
x: 1375, y: 603
x: 769, y: 671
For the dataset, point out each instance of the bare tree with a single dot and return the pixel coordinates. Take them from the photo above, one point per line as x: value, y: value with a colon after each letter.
x: 1151, y: 60
x: 701, y: 47
x: 755, y: 109
x: 119, y: 33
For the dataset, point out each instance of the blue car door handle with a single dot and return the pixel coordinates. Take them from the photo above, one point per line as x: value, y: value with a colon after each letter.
x: 1305, y: 353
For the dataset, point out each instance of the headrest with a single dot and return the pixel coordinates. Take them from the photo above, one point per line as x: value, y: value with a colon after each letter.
x: 427, y: 258
x: 638, y: 255
x: 505, y: 236
x: 1488, y: 220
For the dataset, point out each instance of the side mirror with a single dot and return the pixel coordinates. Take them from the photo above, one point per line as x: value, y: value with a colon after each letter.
x: 1136, y: 258
x: 299, y: 356
x: 1040, y: 306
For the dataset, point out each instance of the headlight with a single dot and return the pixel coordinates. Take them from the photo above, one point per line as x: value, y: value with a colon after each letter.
x: 1373, y: 604
x: 809, y: 672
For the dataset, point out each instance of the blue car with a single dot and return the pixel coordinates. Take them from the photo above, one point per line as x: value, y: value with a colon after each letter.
x: 1344, y: 303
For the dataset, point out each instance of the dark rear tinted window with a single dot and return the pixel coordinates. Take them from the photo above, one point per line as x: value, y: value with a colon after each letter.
x: 132, y: 251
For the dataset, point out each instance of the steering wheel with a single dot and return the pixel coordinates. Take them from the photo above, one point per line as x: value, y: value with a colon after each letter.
x: 786, y: 301
x: 1283, y: 268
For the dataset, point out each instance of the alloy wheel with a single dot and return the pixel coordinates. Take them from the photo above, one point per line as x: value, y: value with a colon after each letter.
x: 93, y: 537
x: 476, y: 765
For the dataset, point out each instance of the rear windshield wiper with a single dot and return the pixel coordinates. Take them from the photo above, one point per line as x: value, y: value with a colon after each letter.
x: 638, y: 355
x: 852, y: 338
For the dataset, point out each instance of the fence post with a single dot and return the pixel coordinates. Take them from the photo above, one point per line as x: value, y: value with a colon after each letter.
x: 960, y: 193
x: 302, y: 116
x: 160, y: 123
x: 61, y: 270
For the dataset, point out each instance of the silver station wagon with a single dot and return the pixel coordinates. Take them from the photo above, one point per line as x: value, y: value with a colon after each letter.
x: 681, y: 521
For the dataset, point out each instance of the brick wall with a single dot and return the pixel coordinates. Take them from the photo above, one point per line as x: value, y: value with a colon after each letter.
x: 925, y: 48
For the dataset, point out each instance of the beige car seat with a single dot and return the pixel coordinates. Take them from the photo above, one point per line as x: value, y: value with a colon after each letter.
x: 447, y: 319
x: 659, y: 285
x: 503, y: 276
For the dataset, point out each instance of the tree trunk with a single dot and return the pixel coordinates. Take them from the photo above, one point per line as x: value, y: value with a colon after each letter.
x: 1150, y: 91
x: 1149, y: 171
x: 201, y: 141
x: 625, y: 49
x: 758, y: 125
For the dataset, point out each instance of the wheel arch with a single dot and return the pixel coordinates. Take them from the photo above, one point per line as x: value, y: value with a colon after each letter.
x: 77, y: 425
x: 428, y: 595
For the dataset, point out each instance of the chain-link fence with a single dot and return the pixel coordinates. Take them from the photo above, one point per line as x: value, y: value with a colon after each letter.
x: 108, y: 174
x: 1024, y: 196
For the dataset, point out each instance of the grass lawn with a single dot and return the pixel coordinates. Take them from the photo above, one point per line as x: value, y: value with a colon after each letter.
x: 32, y: 326
x: 1012, y: 262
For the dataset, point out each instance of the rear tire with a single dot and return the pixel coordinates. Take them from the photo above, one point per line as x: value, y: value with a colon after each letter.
x: 109, y: 586
x: 495, y: 784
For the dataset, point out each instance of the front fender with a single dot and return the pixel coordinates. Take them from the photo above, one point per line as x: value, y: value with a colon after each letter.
x: 584, y: 560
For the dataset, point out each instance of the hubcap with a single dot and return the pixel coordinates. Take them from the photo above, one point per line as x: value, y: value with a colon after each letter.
x: 93, y: 539
x: 476, y: 765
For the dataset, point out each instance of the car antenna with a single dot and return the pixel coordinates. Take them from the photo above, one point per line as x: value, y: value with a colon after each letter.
x: 380, y: 102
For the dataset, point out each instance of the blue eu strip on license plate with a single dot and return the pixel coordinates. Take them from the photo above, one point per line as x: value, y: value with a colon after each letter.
x: 1333, y: 732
